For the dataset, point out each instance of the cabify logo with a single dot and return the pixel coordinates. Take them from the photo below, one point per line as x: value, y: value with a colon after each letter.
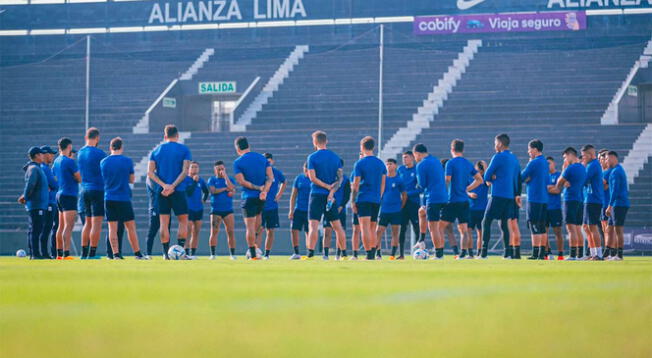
x: 216, y: 87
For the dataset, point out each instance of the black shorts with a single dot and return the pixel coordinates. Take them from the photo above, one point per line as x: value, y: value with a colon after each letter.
x: 252, y: 207
x: 554, y: 218
x: 499, y: 208
x: 342, y: 214
x: 390, y: 219
x: 537, y: 216
x: 300, y: 220
x: 222, y: 214
x: 174, y: 202
x: 356, y: 220
x: 475, y: 219
x: 119, y: 211
x: 366, y: 209
x: 66, y: 202
x: 603, y: 214
x: 270, y: 219
x: 618, y: 215
x: 195, y: 215
x: 433, y: 211
x: 93, y: 201
x: 410, y: 213
x: 592, y: 213
x: 456, y: 211
x: 514, y: 213
x: 573, y: 212
x: 317, y: 208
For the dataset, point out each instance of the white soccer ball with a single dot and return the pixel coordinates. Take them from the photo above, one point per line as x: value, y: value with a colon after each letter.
x: 176, y: 252
x: 420, y: 254
x: 259, y: 253
x: 21, y: 253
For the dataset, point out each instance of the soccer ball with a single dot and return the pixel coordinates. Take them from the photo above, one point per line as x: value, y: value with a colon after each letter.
x: 21, y: 253
x: 420, y: 254
x: 259, y: 253
x: 176, y: 252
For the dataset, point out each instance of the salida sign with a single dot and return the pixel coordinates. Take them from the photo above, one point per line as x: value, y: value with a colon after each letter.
x: 216, y: 87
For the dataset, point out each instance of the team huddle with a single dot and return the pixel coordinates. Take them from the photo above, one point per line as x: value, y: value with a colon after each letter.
x: 589, y: 195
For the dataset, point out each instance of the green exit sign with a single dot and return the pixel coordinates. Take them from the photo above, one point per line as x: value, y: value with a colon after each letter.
x: 217, y: 87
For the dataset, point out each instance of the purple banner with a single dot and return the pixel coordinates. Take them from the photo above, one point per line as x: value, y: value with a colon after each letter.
x: 518, y: 22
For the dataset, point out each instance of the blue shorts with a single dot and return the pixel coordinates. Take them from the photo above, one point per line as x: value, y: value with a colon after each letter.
x: 317, y: 208
x: 366, y: 209
x: 93, y: 201
x: 618, y: 215
x: 475, y: 219
x: 537, y: 216
x: 300, y: 220
x: 356, y: 220
x: 603, y: 214
x: 390, y: 219
x: 66, y: 203
x: 252, y: 207
x: 456, y: 211
x: 118, y: 211
x: 554, y: 218
x: 222, y: 214
x: 270, y: 219
x: 433, y: 211
x: 514, y: 213
x: 174, y: 202
x: 342, y: 214
x: 573, y: 212
x: 195, y: 215
x: 499, y: 208
x: 592, y: 213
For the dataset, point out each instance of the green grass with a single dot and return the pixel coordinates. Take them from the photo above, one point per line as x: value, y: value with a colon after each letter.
x: 292, y: 309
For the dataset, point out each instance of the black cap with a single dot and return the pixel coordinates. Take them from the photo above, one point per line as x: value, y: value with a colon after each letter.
x: 48, y: 150
x: 34, y: 151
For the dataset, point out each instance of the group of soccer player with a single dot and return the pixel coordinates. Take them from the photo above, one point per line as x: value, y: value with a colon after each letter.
x: 426, y: 193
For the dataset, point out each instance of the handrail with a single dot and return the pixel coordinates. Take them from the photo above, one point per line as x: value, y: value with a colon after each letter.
x: 160, y: 97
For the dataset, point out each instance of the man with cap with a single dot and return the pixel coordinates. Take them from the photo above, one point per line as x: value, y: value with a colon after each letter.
x: 35, y: 199
x: 51, y: 219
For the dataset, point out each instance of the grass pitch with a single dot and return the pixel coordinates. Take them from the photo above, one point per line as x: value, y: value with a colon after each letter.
x: 281, y: 308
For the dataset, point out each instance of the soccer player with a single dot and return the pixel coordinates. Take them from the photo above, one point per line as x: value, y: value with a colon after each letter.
x: 325, y: 173
x: 51, y: 214
x: 197, y: 193
x: 270, y: 219
x: 501, y: 176
x: 67, y: 175
x: 222, y: 189
x: 553, y: 215
x: 459, y: 173
x: 478, y: 206
x: 168, y: 167
x: 536, y: 176
x: 593, y: 198
x: 366, y: 192
x: 410, y: 212
x: 298, y: 213
x: 572, y: 179
x: 618, y: 205
x: 431, y: 178
x: 446, y: 229
x: 514, y: 249
x: 254, y: 173
x: 609, y: 243
x: 154, y: 221
x: 117, y: 172
x: 342, y: 196
x: 35, y: 198
x: 393, y: 200
x: 92, y: 195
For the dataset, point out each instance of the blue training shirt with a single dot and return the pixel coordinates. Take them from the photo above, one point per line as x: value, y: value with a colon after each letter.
x: 221, y: 201
x: 195, y: 198
x: 605, y: 178
x: 409, y: 177
x: 538, y: 174
x: 430, y: 176
x: 279, y: 178
x: 506, y: 168
x: 115, y: 170
x: 370, y: 170
x: 480, y: 203
x: 554, y: 200
x: 575, y: 174
x: 303, y: 185
x: 64, y: 169
x: 618, y: 192
x: 594, y: 193
x: 88, y: 160
x: 461, y: 172
x: 169, y: 158
x: 53, y: 186
x: 253, y: 166
x: 392, y: 202
x: 325, y: 163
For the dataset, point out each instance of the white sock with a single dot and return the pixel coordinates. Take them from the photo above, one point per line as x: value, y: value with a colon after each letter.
x: 599, y: 250
x: 593, y: 251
